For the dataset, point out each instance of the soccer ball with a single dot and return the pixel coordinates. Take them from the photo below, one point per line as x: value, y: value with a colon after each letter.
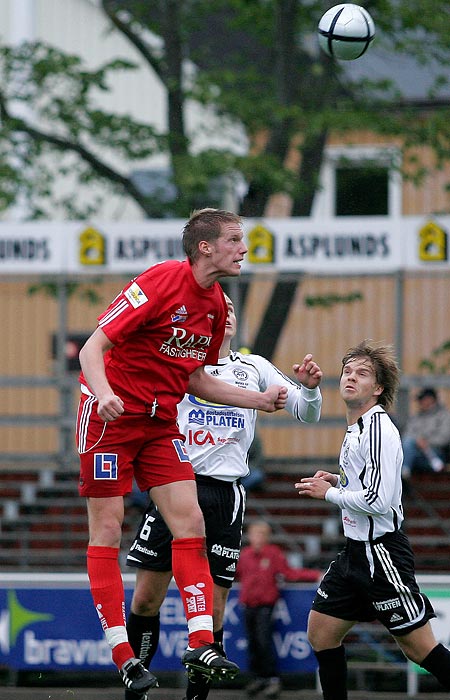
x: 346, y: 31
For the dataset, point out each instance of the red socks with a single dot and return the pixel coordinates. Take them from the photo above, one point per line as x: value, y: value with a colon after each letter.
x: 109, y: 599
x: 191, y: 572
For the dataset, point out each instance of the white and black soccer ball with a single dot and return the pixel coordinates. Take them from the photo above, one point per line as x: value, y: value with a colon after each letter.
x: 346, y: 31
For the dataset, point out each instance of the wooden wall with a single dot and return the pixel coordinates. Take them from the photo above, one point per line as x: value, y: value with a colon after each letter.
x: 29, y: 321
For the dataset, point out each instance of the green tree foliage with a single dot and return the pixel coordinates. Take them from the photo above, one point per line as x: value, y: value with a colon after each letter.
x: 438, y: 362
x: 254, y: 62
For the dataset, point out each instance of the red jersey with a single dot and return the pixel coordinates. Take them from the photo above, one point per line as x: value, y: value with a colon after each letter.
x: 259, y: 572
x: 163, y: 326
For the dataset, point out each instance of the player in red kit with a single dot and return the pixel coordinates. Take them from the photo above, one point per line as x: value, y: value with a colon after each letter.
x: 150, y: 348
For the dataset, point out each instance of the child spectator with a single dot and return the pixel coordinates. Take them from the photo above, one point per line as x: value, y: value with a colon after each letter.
x: 261, y: 568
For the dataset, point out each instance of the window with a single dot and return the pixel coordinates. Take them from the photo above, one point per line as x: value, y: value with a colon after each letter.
x: 358, y: 181
x: 361, y: 191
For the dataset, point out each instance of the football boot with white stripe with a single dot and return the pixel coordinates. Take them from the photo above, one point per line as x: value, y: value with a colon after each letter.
x: 209, y: 662
x: 136, y: 677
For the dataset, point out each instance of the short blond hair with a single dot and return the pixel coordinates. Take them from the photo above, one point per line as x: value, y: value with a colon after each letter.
x: 205, y: 225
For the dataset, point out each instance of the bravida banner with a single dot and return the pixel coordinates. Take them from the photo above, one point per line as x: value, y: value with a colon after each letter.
x: 55, y: 627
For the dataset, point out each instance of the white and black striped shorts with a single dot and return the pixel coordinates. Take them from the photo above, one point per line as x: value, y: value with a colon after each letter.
x: 375, y: 581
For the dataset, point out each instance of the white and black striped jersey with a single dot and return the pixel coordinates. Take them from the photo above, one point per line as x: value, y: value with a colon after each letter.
x: 218, y: 437
x: 370, y: 487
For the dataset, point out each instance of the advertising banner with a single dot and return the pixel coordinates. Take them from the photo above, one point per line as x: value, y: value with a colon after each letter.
x: 345, y: 245
x: 57, y: 628
x: 440, y: 599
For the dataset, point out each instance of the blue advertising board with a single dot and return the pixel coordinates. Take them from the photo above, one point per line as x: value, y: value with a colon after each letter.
x: 56, y: 628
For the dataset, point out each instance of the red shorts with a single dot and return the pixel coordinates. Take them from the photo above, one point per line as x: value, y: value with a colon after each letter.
x: 133, y: 445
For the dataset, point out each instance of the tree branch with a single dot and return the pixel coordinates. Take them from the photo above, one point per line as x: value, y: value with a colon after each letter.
x: 100, y: 167
x: 133, y: 38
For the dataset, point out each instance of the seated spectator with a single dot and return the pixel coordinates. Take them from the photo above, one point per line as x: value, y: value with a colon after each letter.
x: 426, y: 439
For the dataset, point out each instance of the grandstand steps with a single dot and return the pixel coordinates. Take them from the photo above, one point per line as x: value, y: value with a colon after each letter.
x: 44, y: 522
x: 297, y: 521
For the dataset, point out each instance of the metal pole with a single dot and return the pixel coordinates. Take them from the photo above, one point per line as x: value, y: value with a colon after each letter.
x: 399, y: 315
x: 402, y: 409
x: 235, y: 294
x: 63, y: 380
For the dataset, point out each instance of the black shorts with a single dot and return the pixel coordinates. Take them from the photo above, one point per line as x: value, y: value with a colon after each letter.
x: 375, y: 581
x: 223, y: 506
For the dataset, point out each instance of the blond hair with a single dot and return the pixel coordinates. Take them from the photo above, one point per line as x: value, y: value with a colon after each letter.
x: 205, y: 225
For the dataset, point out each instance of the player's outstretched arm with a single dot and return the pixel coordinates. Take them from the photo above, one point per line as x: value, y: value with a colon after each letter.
x: 210, y: 388
x: 303, y: 403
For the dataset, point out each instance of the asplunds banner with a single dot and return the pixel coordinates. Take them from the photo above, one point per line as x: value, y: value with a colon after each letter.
x: 57, y: 628
x: 348, y: 245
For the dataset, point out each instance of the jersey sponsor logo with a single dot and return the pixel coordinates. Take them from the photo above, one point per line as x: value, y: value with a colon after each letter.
x: 190, y: 353
x: 200, y: 437
x: 181, y: 338
x: 197, y: 417
x: 186, y: 345
x: 105, y: 466
x: 196, y: 602
x: 387, y: 604
x: 180, y: 315
x: 226, y: 552
x: 135, y: 295
x: 225, y: 417
x: 180, y: 450
x: 146, y: 644
x: 348, y: 521
x: 136, y: 547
